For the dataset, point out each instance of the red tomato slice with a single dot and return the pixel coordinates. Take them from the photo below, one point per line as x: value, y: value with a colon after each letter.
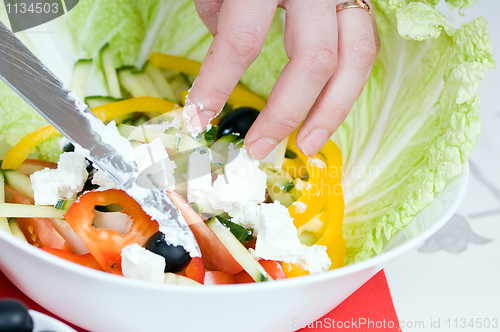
x: 30, y: 166
x: 243, y: 278
x: 38, y: 231
x: 219, y: 278
x: 104, y: 244
x: 85, y: 260
x: 196, y: 270
x: 273, y: 268
x: 214, y: 253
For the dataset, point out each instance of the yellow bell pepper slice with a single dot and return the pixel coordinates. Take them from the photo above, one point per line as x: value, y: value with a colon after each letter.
x: 240, y: 96
x: 313, y: 197
x: 316, y: 225
x: 183, y: 96
x: 175, y: 63
x: 293, y: 270
x: 20, y: 151
x: 295, y: 167
x: 110, y: 111
x: 333, y: 238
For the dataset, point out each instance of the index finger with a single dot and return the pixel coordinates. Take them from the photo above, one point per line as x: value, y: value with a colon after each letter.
x: 241, y: 31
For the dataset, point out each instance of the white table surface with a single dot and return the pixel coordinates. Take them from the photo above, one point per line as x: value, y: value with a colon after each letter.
x: 456, y: 273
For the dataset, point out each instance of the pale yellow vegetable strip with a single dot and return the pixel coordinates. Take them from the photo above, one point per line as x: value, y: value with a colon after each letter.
x: 16, y: 230
x: 4, y: 224
x: 161, y: 83
x: 20, y: 182
x: 10, y: 210
x: 128, y: 81
x: 148, y: 85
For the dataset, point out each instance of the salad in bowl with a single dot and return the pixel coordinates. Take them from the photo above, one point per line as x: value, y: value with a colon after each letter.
x: 132, y: 63
x: 253, y: 221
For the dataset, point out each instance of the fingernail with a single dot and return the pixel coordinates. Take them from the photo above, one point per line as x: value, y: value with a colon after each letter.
x: 314, y: 141
x: 199, y: 121
x: 190, y: 110
x: 206, y: 116
x: 261, y: 147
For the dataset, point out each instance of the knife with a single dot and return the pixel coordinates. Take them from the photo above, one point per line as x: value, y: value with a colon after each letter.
x: 27, y: 76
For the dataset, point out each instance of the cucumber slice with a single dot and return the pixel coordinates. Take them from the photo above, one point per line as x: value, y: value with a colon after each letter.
x: 161, y: 83
x: 219, y: 148
x: 9, y: 210
x: 60, y: 204
x: 16, y: 230
x: 110, y: 75
x: 178, y: 141
x: 129, y: 81
x: 175, y: 131
x: 210, y: 134
x: 140, y: 120
x: 147, y: 84
x: 64, y: 204
x: 145, y: 135
x: 238, y: 251
x: 172, y: 278
x: 80, y: 77
x: 2, y: 187
x: 20, y: 182
x: 241, y: 233
x: 172, y: 131
x: 308, y: 238
x: 278, y: 195
x: 178, y: 84
x: 169, y: 74
x: 4, y: 224
x: 95, y: 101
x: 280, y: 186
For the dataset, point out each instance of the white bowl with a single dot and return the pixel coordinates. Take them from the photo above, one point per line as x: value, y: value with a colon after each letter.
x: 44, y: 323
x: 98, y: 301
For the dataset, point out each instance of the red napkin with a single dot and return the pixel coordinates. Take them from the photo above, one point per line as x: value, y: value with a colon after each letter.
x: 370, y: 308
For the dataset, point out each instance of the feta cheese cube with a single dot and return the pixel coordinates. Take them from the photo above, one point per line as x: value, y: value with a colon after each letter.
x: 152, y: 159
x: 139, y: 263
x: 229, y: 192
x: 50, y: 185
x: 199, y: 178
x: 277, y: 240
x: 242, y: 183
x: 110, y: 135
x: 240, y: 164
x: 247, y: 217
x: 314, y: 259
x: 104, y: 182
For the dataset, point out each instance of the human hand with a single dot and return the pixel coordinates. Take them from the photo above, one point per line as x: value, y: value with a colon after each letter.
x: 331, y: 56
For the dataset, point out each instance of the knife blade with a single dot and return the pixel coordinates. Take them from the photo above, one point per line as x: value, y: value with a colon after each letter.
x: 27, y: 76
